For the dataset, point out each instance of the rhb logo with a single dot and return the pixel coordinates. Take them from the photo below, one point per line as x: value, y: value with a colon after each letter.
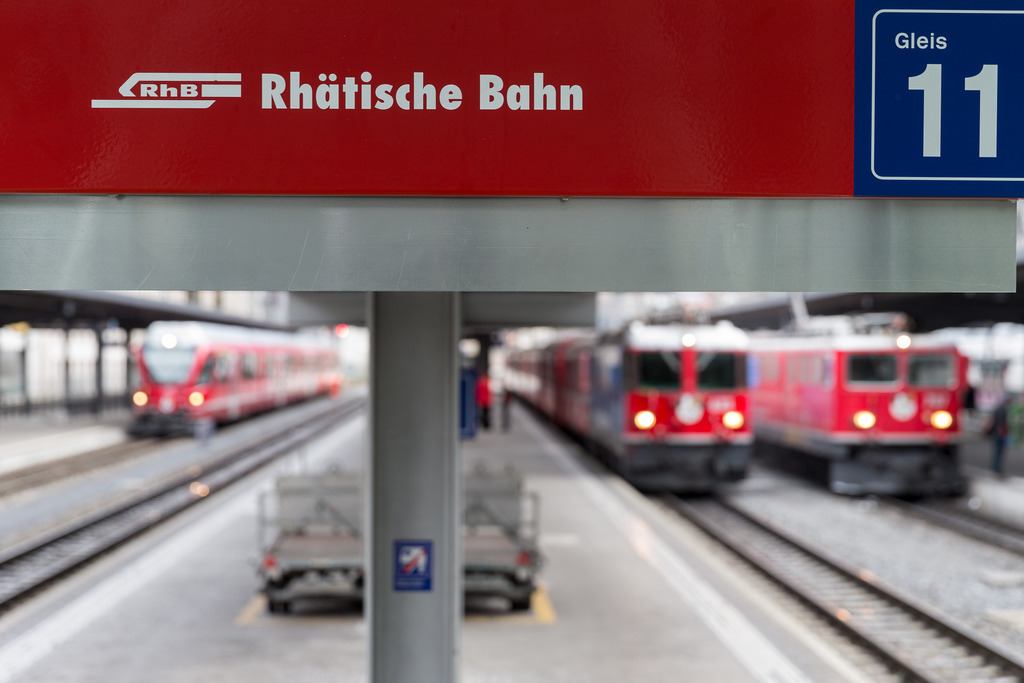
x: 173, y: 91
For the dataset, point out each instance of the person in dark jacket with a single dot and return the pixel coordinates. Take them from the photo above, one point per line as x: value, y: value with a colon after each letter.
x: 998, y: 432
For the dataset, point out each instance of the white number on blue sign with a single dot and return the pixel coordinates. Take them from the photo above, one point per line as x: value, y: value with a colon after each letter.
x: 985, y: 83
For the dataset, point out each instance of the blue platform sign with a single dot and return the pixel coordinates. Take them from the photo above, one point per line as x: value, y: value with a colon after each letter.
x: 940, y: 95
x: 414, y: 565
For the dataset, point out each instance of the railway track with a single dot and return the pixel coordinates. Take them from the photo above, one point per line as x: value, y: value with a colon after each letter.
x: 953, y: 516
x: 31, y: 566
x: 915, y: 641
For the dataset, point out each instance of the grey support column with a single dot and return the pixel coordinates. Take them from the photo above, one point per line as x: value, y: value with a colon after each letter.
x: 415, y: 576
x: 67, y: 368
x: 27, y: 404
x: 97, y: 406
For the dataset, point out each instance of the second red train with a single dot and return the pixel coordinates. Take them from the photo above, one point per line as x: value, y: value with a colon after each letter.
x: 665, y: 406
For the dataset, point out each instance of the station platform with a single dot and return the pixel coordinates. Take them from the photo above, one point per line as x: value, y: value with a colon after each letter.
x: 26, y: 443
x: 629, y: 592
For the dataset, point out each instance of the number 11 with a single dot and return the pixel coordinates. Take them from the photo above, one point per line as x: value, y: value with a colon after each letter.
x: 985, y: 82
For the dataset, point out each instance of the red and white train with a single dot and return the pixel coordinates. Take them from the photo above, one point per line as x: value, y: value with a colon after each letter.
x: 873, y: 413
x: 665, y: 406
x: 192, y: 371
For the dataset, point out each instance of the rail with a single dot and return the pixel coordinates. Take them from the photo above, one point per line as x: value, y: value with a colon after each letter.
x: 31, y: 566
x: 952, y: 515
x: 914, y: 640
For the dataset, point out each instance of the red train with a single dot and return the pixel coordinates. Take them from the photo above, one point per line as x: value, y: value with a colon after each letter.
x: 873, y: 413
x: 191, y: 371
x: 665, y: 406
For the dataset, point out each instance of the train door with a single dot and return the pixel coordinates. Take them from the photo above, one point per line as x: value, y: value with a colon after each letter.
x: 230, y: 372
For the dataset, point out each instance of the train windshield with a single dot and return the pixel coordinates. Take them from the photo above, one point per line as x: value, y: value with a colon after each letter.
x: 721, y: 370
x: 168, y: 366
x: 658, y: 370
x: 872, y: 368
x: 932, y: 370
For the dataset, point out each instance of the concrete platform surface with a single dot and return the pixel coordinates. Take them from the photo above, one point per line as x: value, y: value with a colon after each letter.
x: 26, y: 444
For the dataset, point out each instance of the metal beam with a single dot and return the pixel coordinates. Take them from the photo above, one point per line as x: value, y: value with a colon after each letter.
x: 505, y: 244
x: 481, y: 311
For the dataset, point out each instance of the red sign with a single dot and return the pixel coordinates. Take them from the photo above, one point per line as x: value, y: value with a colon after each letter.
x: 449, y: 97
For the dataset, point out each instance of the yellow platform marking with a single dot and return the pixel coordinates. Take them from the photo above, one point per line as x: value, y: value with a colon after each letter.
x: 255, y: 614
x: 252, y: 611
x: 541, y: 612
x: 541, y: 605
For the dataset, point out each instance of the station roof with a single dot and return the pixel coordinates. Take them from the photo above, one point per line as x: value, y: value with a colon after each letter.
x: 80, y: 308
x: 927, y: 311
x: 482, y: 311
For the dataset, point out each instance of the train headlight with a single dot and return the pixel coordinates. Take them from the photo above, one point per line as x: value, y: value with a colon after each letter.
x: 689, y: 340
x: 733, y: 419
x: 864, y: 419
x: 941, y: 419
x: 140, y: 398
x: 903, y: 341
x: 196, y: 399
x: 644, y: 419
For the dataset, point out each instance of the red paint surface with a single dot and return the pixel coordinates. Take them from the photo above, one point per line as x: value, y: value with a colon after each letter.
x: 709, y: 98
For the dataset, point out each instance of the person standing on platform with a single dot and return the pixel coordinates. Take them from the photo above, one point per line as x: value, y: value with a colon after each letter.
x: 999, y: 431
x: 483, y: 401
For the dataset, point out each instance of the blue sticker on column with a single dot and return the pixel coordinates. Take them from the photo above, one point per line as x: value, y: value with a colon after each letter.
x: 414, y: 565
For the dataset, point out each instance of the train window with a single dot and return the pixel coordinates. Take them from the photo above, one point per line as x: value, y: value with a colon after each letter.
x: 769, y: 366
x: 871, y: 368
x: 821, y: 371
x: 168, y: 366
x: 658, y: 370
x: 222, y: 370
x: 931, y: 370
x: 206, y: 376
x: 249, y: 366
x: 721, y: 370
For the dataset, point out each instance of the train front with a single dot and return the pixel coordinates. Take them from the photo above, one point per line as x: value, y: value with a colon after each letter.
x: 898, y: 410
x: 686, y: 423
x: 167, y: 401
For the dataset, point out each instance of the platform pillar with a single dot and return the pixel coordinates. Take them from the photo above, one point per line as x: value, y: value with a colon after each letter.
x: 414, y: 605
x: 67, y: 368
x: 97, y: 406
x: 26, y: 406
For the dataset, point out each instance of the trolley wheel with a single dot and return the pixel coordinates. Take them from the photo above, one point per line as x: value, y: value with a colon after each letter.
x: 520, y: 604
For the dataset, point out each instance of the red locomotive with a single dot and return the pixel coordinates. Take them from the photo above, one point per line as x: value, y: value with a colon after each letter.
x: 192, y: 371
x: 873, y: 413
x: 665, y: 406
